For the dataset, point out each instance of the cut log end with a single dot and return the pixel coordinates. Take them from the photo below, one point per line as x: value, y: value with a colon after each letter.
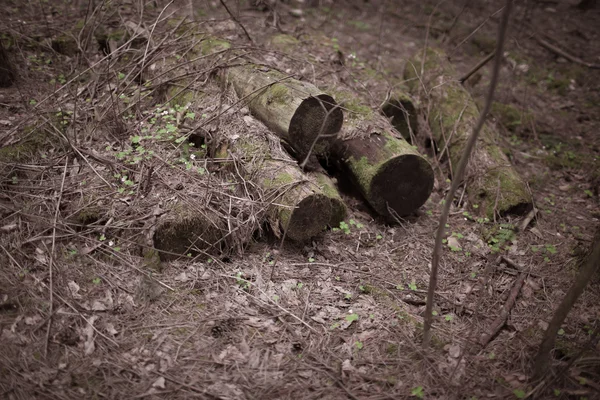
x: 311, y: 120
x: 183, y: 233
x: 403, y: 114
x: 309, y: 218
x: 401, y: 185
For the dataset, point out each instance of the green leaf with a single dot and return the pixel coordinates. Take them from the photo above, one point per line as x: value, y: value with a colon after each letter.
x: 418, y: 392
x: 359, y: 345
x: 121, y: 75
x: 96, y: 281
x: 561, y: 331
x: 352, y: 317
x: 519, y: 393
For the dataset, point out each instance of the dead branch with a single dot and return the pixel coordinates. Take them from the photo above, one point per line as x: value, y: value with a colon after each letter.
x: 549, y: 46
x: 508, y: 305
x: 476, y: 68
x: 460, y: 173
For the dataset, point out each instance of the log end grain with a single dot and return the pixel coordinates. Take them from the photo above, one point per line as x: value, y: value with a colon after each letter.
x: 401, y: 185
x: 308, y: 219
x: 181, y: 232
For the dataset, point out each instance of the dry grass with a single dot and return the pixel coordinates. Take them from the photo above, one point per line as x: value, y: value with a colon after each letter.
x: 86, y: 313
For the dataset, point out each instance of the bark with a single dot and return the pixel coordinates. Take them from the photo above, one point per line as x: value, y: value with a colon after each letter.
x: 301, y: 203
x: 7, y: 71
x: 586, y: 272
x: 298, y: 112
x: 184, y: 230
x: 392, y: 176
x: 491, y: 181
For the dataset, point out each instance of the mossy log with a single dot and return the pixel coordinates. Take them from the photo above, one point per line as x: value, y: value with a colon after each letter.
x: 183, y: 230
x: 298, y: 112
x: 7, y: 71
x: 491, y: 183
x: 302, y: 204
x: 392, y: 176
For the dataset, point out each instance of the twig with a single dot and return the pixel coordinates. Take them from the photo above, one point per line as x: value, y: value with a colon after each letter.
x: 459, y: 175
x: 237, y: 22
x: 564, y: 54
x: 313, y: 330
x: 476, y: 68
x: 51, y: 259
x: 321, y: 130
x: 508, y: 305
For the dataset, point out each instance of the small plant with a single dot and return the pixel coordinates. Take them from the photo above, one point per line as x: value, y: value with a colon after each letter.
x: 96, y: 281
x: 343, y: 227
x: 412, y: 285
x: 519, y: 393
x: 241, y: 282
x: 352, y: 317
x: 418, y: 392
x: 358, y: 345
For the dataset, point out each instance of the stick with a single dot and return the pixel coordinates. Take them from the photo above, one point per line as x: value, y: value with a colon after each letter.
x: 508, y: 305
x: 51, y: 260
x: 237, y: 22
x: 564, y: 54
x: 476, y: 68
x: 460, y: 171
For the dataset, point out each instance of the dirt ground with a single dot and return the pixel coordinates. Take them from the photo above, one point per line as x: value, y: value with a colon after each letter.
x: 86, y: 312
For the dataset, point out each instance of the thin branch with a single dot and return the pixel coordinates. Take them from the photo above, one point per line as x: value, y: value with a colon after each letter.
x: 460, y: 171
x: 476, y: 68
x: 51, y: 259
x: 237, y: 21
x: 564, y: 54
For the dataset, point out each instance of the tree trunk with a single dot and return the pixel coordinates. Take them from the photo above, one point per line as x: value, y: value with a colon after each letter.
x: 302, y: 204
x: 298, y: 112
x: 7, y: 71
x: 491, y: 181
x: 392, y: 176
x: 586, y: 271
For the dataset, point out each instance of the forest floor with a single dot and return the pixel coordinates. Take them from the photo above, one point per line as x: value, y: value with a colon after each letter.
x: 84, y: 315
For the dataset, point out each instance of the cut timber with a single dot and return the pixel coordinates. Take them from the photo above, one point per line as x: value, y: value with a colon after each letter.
x: 298, y: 112
x: 183, y: 231
x: 491, y: 182
x: 392, y: 176
x: 7, y: 71
x: 401, y: 111
x: 302, y: 204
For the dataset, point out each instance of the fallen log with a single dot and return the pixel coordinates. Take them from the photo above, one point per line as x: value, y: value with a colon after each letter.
x: 187, y: 229
x: 7, y: 71
x: 492, y: 185
x: 300, y: 204
x: 390, y: 173
x: 298, y: 112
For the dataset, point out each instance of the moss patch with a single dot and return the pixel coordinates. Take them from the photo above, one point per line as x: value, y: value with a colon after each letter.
x: 511, y: 117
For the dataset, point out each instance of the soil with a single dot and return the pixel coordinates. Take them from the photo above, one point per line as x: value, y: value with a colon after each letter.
x: 88, y: 310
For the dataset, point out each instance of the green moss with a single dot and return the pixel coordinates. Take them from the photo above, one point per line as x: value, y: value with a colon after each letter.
x: 179, y: 96
x: 511, y: 117
x: 278, y: 181
x: 152, y: 259
x: 213, y: 45
x: 277, y: 93
x: 33, y: 140
x: 284, y: 42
